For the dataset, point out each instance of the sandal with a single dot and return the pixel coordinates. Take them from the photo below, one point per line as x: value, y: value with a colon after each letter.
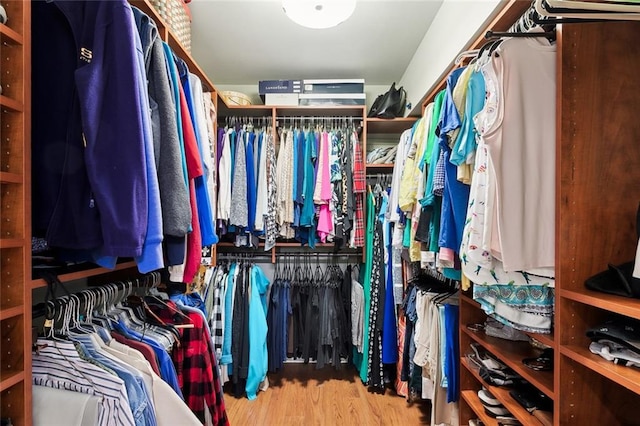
x: 544, y: 362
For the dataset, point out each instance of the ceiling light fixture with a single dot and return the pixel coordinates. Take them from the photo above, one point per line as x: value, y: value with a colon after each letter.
x: 318, y: 14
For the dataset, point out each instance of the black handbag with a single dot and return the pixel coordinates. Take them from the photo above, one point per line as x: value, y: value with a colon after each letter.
x: 390, y: 104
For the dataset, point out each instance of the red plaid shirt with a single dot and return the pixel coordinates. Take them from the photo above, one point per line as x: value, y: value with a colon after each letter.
x: 358, y: 223
x: 359, y: 179
x: 196, y: 366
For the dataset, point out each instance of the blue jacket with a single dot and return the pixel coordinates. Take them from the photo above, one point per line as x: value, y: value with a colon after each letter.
x: 258, y: 355
x: 88, y: 154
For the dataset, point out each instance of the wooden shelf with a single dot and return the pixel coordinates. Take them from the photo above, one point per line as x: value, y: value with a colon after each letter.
x: 85, y: 273
x: 11, y: 104
x: 620, y: 305
x: 512, y: 354
x: 10, y: 378
x: 395, y: 125
x: 629, y: 377
x: 502, y: 395
x: 385, y: 166
x: 545, y: 339
x: 471, y: 398
x: 11, y: 312
x: 246, y: 110
x: 11, y: 243
x: 9, y: 35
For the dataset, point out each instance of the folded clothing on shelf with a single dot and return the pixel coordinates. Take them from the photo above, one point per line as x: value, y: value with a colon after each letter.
x: 384, y: 155
x: 616, y: 353
x: 495, y: 328
x: 623, y: 330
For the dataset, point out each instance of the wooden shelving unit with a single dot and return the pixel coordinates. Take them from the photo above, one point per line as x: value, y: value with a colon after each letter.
x: 502, y: 395
x: 280, y: 115
x: 512, y: 354
x: 15, y: 210
x: 597, y: 195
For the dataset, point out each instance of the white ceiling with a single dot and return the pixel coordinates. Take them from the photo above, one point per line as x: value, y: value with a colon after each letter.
x: 243, y: 41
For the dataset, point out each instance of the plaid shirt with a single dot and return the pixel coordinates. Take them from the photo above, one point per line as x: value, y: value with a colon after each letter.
x: 196, y: 366
x: 217, y: 321
x: 358, y: 224
x: 359, y: 180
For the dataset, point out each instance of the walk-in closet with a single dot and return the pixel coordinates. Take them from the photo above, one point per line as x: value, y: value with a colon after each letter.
x: 222, y: 213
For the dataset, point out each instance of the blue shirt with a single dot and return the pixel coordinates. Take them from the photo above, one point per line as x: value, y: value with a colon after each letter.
x: 139, y: 401
x: 165, y: 364
x: 456, y: 194
x: 228, y: 316
x: 465, y: 144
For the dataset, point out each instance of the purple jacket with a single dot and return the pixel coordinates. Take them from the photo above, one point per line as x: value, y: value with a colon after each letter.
x: 89, y: 172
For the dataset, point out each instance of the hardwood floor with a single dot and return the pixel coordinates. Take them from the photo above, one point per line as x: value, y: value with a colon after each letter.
x: 302, y: 395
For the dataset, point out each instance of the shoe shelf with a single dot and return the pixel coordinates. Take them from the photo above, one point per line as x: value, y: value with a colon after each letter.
x: 502, y: 395
x: 471, y: 398
x: 511, y: 353
x: 629, y: 377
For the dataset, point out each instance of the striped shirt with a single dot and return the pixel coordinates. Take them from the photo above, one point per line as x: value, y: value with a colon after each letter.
x: 59, y: 366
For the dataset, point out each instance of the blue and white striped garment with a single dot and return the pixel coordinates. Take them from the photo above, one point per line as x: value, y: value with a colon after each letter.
x: 59, y: 366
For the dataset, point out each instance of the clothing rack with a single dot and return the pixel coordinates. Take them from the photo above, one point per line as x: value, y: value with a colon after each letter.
x: 272, y: 256
x: 233, y: 120
x: 495, y: 34
x: 334, y: 121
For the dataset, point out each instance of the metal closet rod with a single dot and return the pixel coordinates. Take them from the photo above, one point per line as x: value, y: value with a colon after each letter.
x: 311, y: 255
x: 318, y: 118
x: 249, y: 255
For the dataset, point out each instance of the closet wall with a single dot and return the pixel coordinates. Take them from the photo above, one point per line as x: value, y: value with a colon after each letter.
x: 597, y: 195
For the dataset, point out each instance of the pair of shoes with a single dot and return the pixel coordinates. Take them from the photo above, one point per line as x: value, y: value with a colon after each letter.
x: 485, y: 359
x: 544, y: 362
x: 491, y: 405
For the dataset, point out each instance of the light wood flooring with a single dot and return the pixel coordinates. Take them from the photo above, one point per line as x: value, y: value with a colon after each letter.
x: 302, y: 395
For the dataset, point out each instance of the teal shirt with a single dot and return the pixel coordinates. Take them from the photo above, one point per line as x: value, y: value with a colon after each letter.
x: 228, y: 316
x: 366, y: 283
x: 258, y: 357
x: 465, y: 144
